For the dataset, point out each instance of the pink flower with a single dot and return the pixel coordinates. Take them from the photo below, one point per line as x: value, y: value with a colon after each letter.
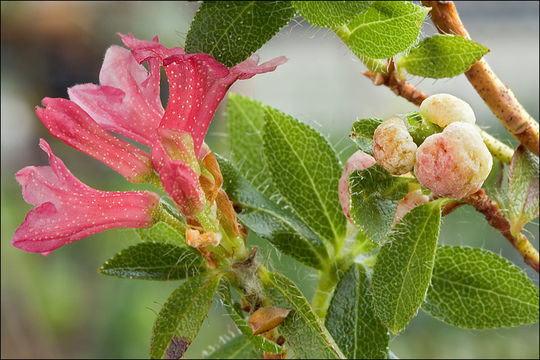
x: 68, y: 122
x: 67, y: 210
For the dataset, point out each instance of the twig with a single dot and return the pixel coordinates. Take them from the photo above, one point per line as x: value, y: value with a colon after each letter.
x: 500, y: 99
x: 482, y: 203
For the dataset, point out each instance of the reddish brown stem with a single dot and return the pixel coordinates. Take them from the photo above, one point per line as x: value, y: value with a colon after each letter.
x: 482, y: 203
x: 500, y: 99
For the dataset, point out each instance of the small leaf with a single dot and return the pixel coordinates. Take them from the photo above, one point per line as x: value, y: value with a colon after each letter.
x: 154, y: 261
x: 279, y: 226
x: 330, y: 13
x: 352, y: 321
x: 305, y: 336
x: 403, y: 268
x: 258, y: 341
x: 385, y: 29
x: 162, y: 232
x: 182, y: 315
x: 477, y: 289
x: 522, y: 188
x: 419, y: 128
x: 245, y: 125
x: 362, y: 133
x: 442, y: 56
x: 236, y: 348
x: 231, y: 31
x: 306, y: 170
x: 374, y: 197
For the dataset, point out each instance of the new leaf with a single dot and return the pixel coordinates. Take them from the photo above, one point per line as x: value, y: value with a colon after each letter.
x: 330, y: 13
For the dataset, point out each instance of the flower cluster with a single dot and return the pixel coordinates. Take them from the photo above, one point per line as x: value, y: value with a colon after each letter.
x: 127, y: 102
x: 454, y: 163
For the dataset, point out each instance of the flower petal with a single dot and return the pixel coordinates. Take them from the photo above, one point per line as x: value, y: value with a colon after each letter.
x: 182, y: 184
x: 68, y: 122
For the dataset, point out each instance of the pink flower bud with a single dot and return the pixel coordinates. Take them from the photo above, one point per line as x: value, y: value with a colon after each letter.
x: 358, y: 161
x: 394, y: 148
x: 454, y: 163
x: 410, y: 201
x: 67, y: 210
x: 443, y: 109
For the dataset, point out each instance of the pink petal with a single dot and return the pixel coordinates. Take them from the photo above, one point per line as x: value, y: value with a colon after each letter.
x: 68, y: 122
x: 197, y: 84
x: 248, y: 68
x: 68, y: 210
x: 182, y: 184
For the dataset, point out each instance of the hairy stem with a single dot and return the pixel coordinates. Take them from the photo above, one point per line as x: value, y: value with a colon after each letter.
x: 500, y: 99
x: 482, y: 203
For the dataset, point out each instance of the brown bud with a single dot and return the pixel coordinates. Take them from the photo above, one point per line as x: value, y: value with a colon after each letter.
x: 266, y: 318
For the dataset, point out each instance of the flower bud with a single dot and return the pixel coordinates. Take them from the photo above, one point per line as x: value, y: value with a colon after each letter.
x: 454, y: 163
x: 394, y: 148
x: 443, y: 109
x: 358, y: 161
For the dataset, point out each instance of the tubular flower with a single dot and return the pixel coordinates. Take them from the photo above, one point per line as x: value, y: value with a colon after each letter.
x: 67, y: 210
x: 358, y: 161
x: 68, y: 122
x: 454, y: 163
x: 127, y: 101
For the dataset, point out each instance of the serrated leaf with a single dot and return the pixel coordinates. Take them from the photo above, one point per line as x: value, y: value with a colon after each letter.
x: 237, y: 348
x: 162, y: 232
x: 351, y: 320
x: 304, y: 334
x: 442, y: 56
x: 231, y: 31
x: 404, y: 265
x: 285, y: 230
x: 374, y: 197
x: 245, y: 125
x: 330, y: 13
x: 305, y: 169
x: 362, y: 133
x: 477, y: 289
x: 182, y: 315
x: 154, y: 261
x: 258, y: 341
x: 385, y: 29
x: 522, y: 188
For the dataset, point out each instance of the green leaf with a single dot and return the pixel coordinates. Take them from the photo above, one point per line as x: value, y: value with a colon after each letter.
x: 362, y: 133
x: 442, y: 56
x: 279, y: 226
x: 522, y: 188
x: 258, y: 341
x: 477, y: 289
x: 403, y: 268
x: 245, y: 124
x: 162, y: 232
x: 330, y: 13
x: 231, y: 31
x: 351, y: 320
x: 182, y: 315
x: 374, y: 197
x: 420, y: 128
x: 385, y: 29
x: 154, y: 261
x: 306, y: 170
x: 305, y: 336
x: 237, y: 348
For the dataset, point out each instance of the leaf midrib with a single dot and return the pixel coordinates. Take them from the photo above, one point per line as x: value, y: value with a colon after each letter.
x: 412, y: 14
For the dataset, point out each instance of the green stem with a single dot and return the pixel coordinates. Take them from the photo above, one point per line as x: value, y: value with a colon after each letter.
x: 496, y: 148
x: 166, y: 217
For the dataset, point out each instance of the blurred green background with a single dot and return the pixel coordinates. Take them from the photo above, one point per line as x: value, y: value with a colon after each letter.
x: 60, y: 307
